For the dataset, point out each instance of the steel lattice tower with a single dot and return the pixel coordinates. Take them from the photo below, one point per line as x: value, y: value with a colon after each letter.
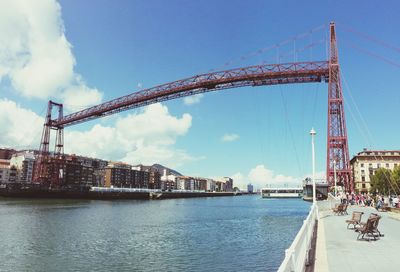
x: 337, y: 145
x: 49, y: 167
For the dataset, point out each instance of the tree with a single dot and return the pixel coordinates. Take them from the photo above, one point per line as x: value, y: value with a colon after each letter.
x: 381, y: 181
x: 396, y: 179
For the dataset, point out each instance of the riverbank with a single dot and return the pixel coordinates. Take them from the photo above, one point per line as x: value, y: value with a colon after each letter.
x: 111, y: 194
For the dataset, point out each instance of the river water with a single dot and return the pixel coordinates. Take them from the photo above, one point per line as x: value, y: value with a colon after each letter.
x: 242, y: 233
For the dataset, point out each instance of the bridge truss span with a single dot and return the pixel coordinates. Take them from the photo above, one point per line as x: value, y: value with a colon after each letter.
x: 338, y: 161
x: 268, y: 74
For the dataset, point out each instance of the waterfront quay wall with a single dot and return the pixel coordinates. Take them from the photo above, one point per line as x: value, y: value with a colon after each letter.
x: 172, y: 194
x: 107, y: 194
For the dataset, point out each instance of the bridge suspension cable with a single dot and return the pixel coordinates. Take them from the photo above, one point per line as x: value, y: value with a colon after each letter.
x: 364, y: 130
x: 290, y: 130
x: 269, y: 48
x: 295, y: 52
x: 372, y: 54
x: 370, y: 38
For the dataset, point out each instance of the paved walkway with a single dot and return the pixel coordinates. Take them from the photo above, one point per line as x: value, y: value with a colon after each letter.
x: 339, y: 250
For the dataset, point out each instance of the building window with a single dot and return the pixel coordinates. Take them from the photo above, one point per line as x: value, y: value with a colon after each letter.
x: 370, y: 165
x: 371, y: 172
x: 362, y: 178
x: 387, y: 165
x: 362, y: 165
x: 378, y: 165
x: 362, y: 172
x: 363, y: 185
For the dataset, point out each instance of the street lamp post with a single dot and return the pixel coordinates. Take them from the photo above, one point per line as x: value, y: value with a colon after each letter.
x: 334, y: 174
x: 313, y: 133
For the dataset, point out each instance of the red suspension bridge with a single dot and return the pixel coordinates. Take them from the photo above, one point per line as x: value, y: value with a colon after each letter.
x: 47, y: 170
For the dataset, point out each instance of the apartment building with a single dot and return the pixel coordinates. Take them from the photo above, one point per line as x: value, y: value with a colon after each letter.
x: 366, y: 162
x: 24, y: 162
x: 118, y: 174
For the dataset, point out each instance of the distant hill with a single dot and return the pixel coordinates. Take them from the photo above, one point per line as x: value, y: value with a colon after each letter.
x: 160, y: 168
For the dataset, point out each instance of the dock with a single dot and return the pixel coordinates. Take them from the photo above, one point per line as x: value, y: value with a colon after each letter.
x: 338, y: 249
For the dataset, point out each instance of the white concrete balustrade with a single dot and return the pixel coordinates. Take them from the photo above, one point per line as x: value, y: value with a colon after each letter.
x: 296, y: 256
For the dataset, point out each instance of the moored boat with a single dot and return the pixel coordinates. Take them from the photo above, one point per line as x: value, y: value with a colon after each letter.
x: 281, y: 192
x: 321, y: 188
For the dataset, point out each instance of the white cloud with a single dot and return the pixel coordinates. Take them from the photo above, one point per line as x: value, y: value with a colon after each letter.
x: 20, y: 128
x: 147, y: 137
x: 193, y: 99
x: 230, y: 137
x: 239, y: 180
x: 78, y: 97
x: 260, y: 176
x: 35, y: 54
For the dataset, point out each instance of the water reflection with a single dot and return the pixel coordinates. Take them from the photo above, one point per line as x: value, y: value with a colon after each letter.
x: 242, y: 233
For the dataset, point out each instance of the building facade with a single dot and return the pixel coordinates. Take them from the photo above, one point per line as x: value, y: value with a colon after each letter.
x: 118, y: 174
x: 191, y: 183
x: 8, y: 174
x: 220, y: 186
x: 24, y: 162
x: 228, y: 184
x: 250, y: 188
x: 95, y: 168
x: 154, y: 179
x: 6, y: 153
x: 210, y: 187
x: 366, y: 162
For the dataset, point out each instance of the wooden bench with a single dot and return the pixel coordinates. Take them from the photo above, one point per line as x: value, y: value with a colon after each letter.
x: 366, y: 229
x: 344, y: 211
x: 340, y: 209
x: 355, y: 219
x: 337, y: 208
x: 370, y: 227
x: 385, y: 207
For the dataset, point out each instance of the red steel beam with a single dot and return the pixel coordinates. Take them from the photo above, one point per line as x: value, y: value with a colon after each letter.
x: 269, y: 74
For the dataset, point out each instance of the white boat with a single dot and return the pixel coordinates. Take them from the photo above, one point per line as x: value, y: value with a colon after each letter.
x: 282, y: 192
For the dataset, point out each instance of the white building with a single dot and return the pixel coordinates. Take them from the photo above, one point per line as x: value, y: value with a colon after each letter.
x: 211, y: 184
x: 366, y: 162
x: 168, y: 182
x: 180, y: 183
x: 7, y: 174
x: 24, y: 163
x: 228, y: 184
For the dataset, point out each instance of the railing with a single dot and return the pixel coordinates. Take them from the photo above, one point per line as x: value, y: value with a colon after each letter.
x: 297, y: 255
x: 328, y: 204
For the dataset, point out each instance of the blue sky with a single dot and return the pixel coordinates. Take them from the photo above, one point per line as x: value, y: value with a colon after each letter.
x: 120, y: 47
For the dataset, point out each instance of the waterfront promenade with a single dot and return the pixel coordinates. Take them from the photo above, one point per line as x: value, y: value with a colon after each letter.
x: 339, y: 250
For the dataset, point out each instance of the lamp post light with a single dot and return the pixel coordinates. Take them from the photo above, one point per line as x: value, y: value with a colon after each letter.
x: 334, y: 175
x: 313, y: 133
